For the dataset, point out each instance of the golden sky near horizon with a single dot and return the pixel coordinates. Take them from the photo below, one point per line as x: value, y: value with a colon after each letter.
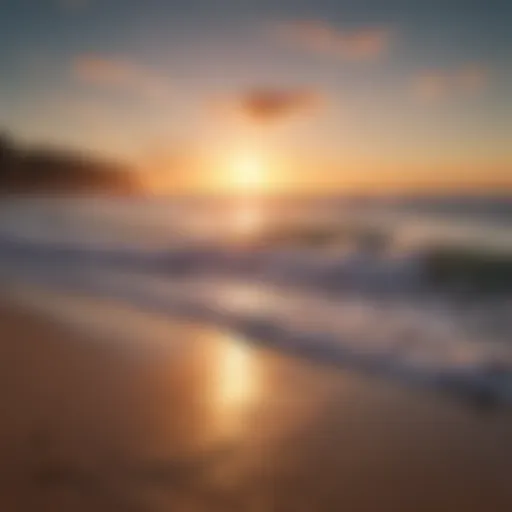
x: 302, y: 96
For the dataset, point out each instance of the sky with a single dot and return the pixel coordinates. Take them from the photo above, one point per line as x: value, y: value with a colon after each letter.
x: 315, y: 94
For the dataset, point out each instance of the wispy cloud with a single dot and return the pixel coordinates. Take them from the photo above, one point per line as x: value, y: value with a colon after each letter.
x: 268, y: 104
x: 120, y: 73
x: 439, y: 84
x: 366, y: 43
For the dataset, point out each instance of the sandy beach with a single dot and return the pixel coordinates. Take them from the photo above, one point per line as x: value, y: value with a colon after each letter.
x: 202, y: 421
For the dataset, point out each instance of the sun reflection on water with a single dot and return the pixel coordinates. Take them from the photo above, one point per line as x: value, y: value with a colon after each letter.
x: 247, y: 219
x: 236, y: 384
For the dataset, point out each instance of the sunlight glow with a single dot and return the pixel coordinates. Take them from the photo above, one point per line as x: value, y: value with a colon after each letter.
x: 247, y: 173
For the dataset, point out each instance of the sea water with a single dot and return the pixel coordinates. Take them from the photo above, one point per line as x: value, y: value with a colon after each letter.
x: 341, y: 280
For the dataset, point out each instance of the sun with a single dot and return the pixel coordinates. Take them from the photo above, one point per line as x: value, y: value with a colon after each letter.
x: 247, y: 172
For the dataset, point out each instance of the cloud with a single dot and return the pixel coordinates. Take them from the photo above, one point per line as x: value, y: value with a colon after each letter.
x: 268, y: 104
x: 432, y: 85
x: 439, y: 84
x: 473, y: 78
x: 366, y: 43
x: 121, y: 74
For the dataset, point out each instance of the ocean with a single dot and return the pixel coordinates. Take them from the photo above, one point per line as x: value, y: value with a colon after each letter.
x: 414, y: 289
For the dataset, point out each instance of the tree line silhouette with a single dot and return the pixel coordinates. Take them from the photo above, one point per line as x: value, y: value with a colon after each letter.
x: 44, y: 169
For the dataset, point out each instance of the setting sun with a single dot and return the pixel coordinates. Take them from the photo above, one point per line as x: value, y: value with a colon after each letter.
x: 247, y: 173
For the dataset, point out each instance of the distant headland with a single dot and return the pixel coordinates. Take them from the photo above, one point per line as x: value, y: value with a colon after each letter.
x: 38, y: 169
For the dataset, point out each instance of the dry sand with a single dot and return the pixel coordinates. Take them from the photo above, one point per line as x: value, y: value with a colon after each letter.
x: 210, y: 423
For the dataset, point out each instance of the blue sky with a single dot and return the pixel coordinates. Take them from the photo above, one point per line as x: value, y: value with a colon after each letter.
x: 406, y: 83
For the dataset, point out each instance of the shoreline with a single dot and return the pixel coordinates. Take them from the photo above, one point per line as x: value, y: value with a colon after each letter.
x: 116, y: 313
x: 197, y: 419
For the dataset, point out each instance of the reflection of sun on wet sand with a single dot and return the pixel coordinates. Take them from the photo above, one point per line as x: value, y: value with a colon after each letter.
x: 235, y: 385
x: 205, y: 422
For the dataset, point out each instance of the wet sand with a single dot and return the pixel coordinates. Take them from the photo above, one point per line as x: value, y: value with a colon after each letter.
x: 198, y: 420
